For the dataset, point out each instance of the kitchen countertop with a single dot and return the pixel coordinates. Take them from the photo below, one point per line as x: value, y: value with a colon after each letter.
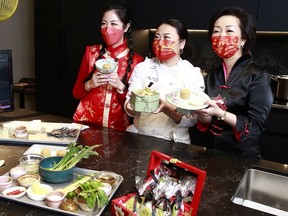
x: 128, y: 155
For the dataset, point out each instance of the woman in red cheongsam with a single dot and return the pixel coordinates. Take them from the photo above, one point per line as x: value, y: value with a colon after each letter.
x: 102, y: 96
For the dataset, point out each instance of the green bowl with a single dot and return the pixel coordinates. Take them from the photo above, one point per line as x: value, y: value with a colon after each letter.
x: 54, y: 176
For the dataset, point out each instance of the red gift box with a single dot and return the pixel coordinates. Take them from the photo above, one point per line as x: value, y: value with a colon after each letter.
x: 118, y: 205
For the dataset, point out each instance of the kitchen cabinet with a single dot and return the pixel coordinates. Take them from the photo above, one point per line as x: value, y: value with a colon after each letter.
x: 274, y: 139
x: 272, y: 15
x: 213, y: 6
x: 149, y: 13
x: 62, y: 30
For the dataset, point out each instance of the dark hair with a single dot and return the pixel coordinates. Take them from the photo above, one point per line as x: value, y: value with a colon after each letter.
x: 179, y: 26
x: 247, y: 24
x: 124, y: 15
x: 182, y: 32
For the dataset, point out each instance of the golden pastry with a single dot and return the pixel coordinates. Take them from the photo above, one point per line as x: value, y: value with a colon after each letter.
x: 106, y: 66
x: 185, y: 94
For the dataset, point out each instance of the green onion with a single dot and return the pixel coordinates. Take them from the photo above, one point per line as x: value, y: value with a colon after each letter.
x: 74, y: 154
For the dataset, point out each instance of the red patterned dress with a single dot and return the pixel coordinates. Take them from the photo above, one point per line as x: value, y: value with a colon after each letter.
x: 103, y: 105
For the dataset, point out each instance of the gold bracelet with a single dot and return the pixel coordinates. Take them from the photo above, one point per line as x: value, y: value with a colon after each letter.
x: 223, y: 117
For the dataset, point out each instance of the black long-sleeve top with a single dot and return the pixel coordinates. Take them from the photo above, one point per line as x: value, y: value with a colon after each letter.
x: 247, y: 94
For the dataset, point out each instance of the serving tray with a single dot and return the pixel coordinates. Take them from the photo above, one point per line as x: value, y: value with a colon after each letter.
x: 37, y: 132
x: 41, y: 204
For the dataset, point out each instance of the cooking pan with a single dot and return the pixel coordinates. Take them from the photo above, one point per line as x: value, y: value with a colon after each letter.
x: 280, y: 86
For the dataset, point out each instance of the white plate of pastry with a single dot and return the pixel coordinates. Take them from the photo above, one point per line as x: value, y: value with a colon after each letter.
x: 188, y: 100
x: 46, y: 150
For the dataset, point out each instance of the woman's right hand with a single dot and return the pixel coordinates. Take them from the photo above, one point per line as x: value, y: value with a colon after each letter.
x: 97, y: 79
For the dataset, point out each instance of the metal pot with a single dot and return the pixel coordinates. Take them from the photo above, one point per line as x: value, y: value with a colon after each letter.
x: 280, y: 86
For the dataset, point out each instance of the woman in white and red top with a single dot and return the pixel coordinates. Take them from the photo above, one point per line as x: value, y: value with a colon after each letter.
x: 102, y: 96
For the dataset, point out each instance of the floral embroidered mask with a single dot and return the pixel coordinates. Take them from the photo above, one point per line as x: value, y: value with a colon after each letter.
x: 225, y: 46
x: 163, y: 49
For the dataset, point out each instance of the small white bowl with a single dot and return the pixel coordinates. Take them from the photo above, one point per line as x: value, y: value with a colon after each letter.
x: 107, y: 188
x: 100, y: 65
x: 22, y: 192
x: 39, y: 197
x: 5, y: 182
x: 54, y: 199
x: 16, y: 172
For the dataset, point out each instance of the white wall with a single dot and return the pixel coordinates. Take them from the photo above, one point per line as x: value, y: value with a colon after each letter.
x: 17, y: 34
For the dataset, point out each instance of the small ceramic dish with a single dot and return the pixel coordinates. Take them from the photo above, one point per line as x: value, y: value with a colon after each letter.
x: 28, y: 179
x: 54, y: 199
x: 106, y: 65
x: 20, y: 132
x: 107, y: 177
x: 107, y: 188
x: 16, y: 172
x: 14, y: 192
x: 39, y: 195
x: 5, y: 182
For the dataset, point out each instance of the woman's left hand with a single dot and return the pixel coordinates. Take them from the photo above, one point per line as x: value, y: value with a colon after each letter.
x: 115, y: 81
x: 212, y: 110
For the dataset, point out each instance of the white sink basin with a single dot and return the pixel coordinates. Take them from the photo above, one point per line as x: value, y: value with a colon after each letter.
x: 263, y: 190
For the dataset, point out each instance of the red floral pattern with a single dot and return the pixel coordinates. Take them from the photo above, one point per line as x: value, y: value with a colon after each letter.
x: 225, y: 46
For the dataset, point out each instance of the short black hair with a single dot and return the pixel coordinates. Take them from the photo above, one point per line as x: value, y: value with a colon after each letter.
x: 247, y: 24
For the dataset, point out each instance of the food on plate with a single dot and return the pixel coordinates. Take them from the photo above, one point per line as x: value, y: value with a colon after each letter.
x: 63, y: 132
x: 27, y: 180
x: 20, y: 132
x: 46, y: 152
x: 196, y: 99
x: 40, y: 189
x: 107, y: 177
x: 61, y: 153
x: 14, y: 192
x: 146, y: 91
x: 185, y: 94
x: 106, y: 66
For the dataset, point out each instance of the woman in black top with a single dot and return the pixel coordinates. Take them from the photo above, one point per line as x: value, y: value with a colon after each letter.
x: 241, y: 92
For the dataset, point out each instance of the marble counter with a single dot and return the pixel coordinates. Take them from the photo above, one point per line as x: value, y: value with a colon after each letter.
x: 128, y: 155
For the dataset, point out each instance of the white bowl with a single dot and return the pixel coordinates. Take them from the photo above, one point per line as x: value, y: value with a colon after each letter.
x: 22, y: 191
x: 5, y: 182
x: 107, y: 188
x: 54, y: 199
x: 16, y: 172
x: 101, y: 62
x: 39, y: 196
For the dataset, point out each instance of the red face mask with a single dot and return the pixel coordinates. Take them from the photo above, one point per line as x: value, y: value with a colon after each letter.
x: 163, y: 49
x: 225, y: 46
x: 111, y: 35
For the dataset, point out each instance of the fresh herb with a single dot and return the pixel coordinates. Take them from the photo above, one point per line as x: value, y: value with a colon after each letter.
x: 75, y: 152
x: 93, y: 194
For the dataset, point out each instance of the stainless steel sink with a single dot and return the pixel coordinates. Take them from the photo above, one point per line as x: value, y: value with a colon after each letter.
x: 263, y: 190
